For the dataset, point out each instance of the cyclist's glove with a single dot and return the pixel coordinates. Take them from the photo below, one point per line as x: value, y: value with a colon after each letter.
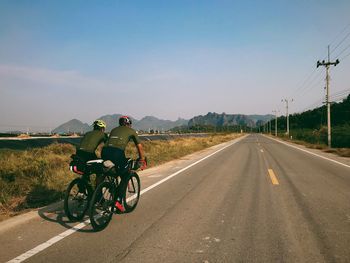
x: 142, y: 163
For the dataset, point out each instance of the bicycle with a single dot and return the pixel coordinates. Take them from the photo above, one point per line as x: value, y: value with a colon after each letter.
x: 102, y: 205
x: 79, y: 192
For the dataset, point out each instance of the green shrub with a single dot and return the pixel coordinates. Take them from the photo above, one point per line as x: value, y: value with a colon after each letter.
x: 341, y: 136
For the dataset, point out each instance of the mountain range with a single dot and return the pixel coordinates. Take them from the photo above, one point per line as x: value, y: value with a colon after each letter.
x: 145, y: 124
x: 149, y: 122
x: 223, y: 119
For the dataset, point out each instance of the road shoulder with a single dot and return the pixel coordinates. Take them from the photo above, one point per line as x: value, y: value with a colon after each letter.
x: 316, y: 152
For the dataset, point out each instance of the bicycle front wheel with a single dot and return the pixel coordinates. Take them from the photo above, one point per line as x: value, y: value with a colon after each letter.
x: 102, y: 206
x: 131, y: 194
x: 76, y: 200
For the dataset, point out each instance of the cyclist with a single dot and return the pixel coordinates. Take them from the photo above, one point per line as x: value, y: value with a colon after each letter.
x: 114, y: 150
x: 91, y: 140
x: 86, y: 151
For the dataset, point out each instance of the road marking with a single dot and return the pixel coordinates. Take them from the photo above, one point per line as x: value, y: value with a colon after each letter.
x: 155, y: 176
x: 189, y: 166
x: 348, y: 166
x: 273, y: 177
x: 49, y: 243
x: 68, y: 232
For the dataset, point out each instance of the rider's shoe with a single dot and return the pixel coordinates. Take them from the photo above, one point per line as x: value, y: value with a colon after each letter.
x: 119, y: 206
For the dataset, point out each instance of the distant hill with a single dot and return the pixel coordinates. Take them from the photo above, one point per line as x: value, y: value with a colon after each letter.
x: 112, y: 121
x: 261, y: 118
x: 72, y: 126
x: 150, y: 122
x: 223, y: 119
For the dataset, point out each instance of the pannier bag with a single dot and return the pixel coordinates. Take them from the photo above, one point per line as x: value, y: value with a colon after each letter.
x: 77, y: 165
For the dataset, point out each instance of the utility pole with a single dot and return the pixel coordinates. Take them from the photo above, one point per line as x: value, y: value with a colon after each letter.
x: 275, y: 111
x: 327, y: 64
x: 287, y: 115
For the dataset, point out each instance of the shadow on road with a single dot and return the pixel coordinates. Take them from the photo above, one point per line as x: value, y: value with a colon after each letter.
x: 55, y: 213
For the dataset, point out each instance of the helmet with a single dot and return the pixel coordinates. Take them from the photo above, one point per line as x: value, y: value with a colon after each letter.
x: 124, y: 120
x: 99, y: 124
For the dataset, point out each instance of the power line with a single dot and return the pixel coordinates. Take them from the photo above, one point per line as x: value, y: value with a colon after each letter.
x: 342, y: 92
x: 311, y: 87
x: 307, y: 83
x: 337, y: 56
x: 347, y: 55
x: 340, y: 95
x: 314, y: 105
x: 347, y: 35
x: 339, y: 34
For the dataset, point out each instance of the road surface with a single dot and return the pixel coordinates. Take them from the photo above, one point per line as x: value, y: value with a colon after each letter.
x: 252, y: 200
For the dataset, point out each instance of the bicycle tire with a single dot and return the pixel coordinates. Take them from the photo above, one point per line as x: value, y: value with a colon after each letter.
x: 131, y: 194
x: 77, y: 198
x: 102, y: 206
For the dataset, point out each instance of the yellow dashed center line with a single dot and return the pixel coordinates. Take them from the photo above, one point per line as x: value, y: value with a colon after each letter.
x: 273, y: 177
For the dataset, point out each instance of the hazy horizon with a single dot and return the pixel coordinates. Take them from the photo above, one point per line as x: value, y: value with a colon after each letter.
x: 28, y: 128
x: 61, y: 60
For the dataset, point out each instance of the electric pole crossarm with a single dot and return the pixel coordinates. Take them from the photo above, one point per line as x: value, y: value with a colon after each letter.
x: 323, y: 63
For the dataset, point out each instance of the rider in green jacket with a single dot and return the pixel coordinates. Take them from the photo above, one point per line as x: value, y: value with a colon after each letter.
x: 114, y: 149
x: 91, y: 140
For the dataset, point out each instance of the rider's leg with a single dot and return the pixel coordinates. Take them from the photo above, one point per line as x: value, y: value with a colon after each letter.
x: 117, y: 156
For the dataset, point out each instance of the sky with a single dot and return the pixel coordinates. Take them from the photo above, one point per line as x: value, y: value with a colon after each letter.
x: 61, y: 60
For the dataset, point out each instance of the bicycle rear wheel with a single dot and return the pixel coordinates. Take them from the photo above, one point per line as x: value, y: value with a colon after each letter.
x: 76, y: 200
x: 102, y: 206
x: 131, y: 194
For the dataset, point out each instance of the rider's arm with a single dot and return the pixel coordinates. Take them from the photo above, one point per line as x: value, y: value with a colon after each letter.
x: 142, y: 162
x: 100, y: 145
x: 138, y: 145
x: 140, y: 151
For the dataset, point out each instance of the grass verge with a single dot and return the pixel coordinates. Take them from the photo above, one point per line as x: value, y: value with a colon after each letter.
x: 343, y: 152
x: 34, y: 178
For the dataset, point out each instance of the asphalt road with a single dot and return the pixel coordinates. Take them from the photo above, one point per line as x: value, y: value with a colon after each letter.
x: 257, y: 200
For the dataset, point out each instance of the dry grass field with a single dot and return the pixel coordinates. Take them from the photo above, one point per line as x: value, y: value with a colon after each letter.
x: 37, y: 177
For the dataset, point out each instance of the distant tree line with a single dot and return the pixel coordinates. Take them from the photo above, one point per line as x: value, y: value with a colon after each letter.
x: 311, y: 125
x: 199, y: 128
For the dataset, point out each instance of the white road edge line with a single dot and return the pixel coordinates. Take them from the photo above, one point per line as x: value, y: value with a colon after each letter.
x: 74, y: 229
x: 323, y: 157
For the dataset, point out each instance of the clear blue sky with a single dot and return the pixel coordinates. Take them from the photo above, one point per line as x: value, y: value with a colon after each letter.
x: 83, y: 59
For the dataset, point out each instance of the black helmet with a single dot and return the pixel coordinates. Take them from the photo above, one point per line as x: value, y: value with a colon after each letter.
x: 124, y: 120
